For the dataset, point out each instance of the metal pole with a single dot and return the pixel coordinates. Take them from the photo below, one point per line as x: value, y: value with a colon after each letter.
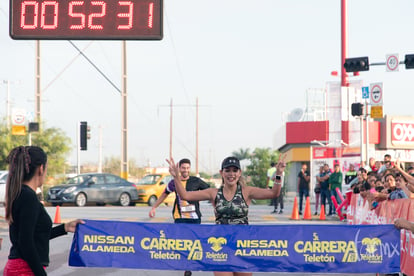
x: 8, y: 104
x: 171, y: 126
x: 361, y: 132
x: 197, y: 136
x: 78, y: 146
x: 38, y: 98
x: 344, y: 41
x: 124, y: 132
x: 367, y: 132
x: 100, y: 150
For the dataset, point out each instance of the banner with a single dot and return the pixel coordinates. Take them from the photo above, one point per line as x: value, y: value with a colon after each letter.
x: 360, y: 212
x: 255, y: 248
x: 332, y: 156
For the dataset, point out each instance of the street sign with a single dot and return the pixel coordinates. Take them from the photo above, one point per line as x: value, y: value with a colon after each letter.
x: 365, y: 92
x: 18, y: 130
x: 18, y: 117
x: 392, y: 62
x: 376, y: 112
x: 376, y: 93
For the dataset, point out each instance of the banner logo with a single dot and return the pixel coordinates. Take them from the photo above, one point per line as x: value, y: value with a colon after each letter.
x: 217, y: 243
x: 371, y: 249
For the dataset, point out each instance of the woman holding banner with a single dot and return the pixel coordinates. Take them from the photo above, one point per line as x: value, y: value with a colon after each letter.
x: 231, y: 201
x: 30, y: 226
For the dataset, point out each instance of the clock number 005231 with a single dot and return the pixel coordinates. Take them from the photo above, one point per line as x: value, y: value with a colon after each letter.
x: 30, y: 15
x: 86, y: 18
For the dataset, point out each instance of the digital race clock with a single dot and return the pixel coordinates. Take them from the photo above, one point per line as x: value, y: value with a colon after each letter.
x: 86, y: 19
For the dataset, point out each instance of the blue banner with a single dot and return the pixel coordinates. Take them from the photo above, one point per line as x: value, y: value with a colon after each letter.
x: 261, y: 248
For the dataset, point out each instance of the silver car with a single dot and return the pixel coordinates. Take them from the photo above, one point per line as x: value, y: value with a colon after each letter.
x: 99, y: 188
x: 3, y: 179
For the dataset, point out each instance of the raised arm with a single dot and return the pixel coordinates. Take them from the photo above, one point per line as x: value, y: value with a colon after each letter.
x: 207, y: 194
x: 407, y: 176
x: 260, y: 193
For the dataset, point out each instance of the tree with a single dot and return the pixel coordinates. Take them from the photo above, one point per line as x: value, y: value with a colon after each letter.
x: 242, y: 154
x: 52, y: 140
x: 256, y: 172
x: 113, y: 165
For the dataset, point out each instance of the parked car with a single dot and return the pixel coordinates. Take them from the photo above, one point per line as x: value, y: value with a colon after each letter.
x: 3, y: 179
x: 99, y: 188
x: 151, y: 186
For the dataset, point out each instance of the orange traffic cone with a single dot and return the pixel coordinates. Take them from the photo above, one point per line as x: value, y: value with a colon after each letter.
x: 57, y: 215
x: 307, y: 214
x: 322, y: 215
x: 295, y: 211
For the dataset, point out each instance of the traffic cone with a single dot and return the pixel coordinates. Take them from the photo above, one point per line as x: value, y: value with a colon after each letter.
x: 57, y: 215
x: 307, y: 214
x: 295, y: 211
x: 322, y: 215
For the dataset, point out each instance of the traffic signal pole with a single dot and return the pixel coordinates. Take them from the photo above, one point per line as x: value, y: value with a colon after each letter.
x: 344, y: 42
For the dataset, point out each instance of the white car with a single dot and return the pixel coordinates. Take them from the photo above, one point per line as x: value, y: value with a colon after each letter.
x: 3, y: 179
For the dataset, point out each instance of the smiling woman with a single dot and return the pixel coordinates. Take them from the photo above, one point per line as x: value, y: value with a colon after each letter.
x: 231, y: 201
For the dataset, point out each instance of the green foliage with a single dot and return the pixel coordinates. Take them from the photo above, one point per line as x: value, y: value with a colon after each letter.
x: 52, y: 140
x: 256, y: 172
x: 242, y: 154
x: 113, y: 165
x: 204, y: 175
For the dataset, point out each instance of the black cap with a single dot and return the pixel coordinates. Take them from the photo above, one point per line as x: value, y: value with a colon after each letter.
x: 230, y: 162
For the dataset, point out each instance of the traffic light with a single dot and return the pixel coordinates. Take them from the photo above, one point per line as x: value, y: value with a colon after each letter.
x: 33, y: 127
x: 84, y: 135
x: 356, y: 64
x: 409, y: 61
x: 356, y: 109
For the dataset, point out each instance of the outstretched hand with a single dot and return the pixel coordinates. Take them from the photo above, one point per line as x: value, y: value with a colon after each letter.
x: 173, y: 168
x: 71, y: 226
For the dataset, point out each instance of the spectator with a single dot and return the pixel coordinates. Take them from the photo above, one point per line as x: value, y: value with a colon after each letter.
x: 269, y: 183
x: 325, y: 191
x: 361, y: 177
x: 335, y: 181
x: 350, y: 174
x: 303, y: 185
x: 394, y: 191
x: 401, y: 182
x: 279, y: 199
x: 371, y: 165
x: 317, y: 189
x: 387, y: 158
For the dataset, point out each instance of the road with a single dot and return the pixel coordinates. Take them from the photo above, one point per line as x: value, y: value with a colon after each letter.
x: 59, y: 247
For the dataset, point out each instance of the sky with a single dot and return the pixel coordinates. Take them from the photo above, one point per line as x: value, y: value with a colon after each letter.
x: 249, y: 63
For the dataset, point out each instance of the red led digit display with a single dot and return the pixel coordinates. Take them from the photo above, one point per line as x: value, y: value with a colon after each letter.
x: 86, y: 19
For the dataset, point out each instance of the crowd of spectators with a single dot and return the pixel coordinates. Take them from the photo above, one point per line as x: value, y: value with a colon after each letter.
x: 384, y: 180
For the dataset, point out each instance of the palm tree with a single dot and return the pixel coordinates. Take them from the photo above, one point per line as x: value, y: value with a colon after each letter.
x: 242, y: 154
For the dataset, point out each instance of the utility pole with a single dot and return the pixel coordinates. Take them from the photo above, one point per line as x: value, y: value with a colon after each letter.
x: 38, y: 92
x: 7, y: 82
x: 197, y: 171
x: 171, y: 126
x: 171, y: 106
x: 100, y: 150
x: 124, y: 125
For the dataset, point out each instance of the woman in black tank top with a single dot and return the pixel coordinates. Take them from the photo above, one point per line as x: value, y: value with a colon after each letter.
x: 231, y: 201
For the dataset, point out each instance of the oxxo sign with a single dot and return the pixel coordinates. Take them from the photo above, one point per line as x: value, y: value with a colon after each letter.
x: 402, y: 132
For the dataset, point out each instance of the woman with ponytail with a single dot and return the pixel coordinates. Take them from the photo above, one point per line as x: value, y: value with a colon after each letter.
x: 30, y: 227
